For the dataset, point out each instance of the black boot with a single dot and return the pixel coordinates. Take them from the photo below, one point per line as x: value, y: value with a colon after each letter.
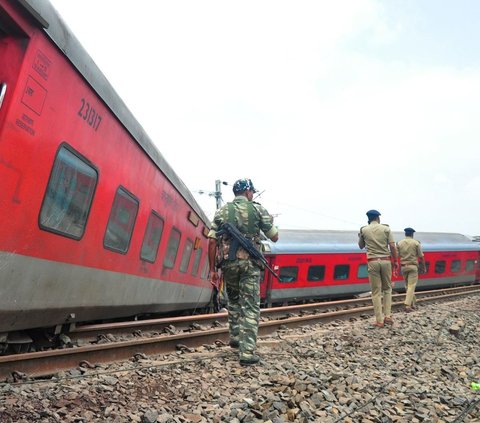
x: 254, y: 359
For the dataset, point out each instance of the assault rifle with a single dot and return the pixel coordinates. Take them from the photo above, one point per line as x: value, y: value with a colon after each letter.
x: 238, y: 239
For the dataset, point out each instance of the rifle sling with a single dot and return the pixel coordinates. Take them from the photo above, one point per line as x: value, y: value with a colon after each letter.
x: 232, y: 216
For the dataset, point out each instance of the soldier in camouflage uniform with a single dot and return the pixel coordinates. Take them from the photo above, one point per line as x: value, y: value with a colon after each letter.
x: 242, y: 274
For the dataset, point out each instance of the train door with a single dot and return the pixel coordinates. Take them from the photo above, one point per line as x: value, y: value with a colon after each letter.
x: 266, y: 282
x: 13, y: 45
x: 477, y: 273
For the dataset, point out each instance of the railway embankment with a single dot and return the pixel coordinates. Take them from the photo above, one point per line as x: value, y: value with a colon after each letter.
x: 420, y: 369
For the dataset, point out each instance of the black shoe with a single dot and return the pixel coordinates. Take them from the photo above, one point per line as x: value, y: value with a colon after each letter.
x: 234, y: 343
x: 254, y: 359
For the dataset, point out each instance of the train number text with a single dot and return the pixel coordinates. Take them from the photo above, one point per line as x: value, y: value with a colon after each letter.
x: 89, y: 114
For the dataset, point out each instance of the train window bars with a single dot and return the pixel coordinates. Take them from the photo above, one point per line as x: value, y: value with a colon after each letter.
x: 316, y: 273
x: 186, y: 255
x: 151, y: 240
x: 440, y: 266
x: 341, y: 272
x: 206, y: 266
x: 196, y: 262
x: 456, y: 266
x: 362, y: 272
x: 121, y: 221
x: 469, y: 265
x: 69, y: 194
x: 172, y: 248
x: 288, y: 274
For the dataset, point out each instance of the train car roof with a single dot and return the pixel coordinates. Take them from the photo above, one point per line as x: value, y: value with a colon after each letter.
x: 295, y: 241
x: 46, y: 15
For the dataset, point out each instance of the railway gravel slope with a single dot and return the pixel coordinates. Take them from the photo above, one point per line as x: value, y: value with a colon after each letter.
x: 419, y: 370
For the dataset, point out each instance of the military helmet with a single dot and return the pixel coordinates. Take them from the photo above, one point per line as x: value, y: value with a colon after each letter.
x: 244, y: 184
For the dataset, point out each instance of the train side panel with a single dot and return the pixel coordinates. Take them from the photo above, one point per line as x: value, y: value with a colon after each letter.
x: 477, y: 275
x: 310, y: 276
x: 328, y: 264
x: 448, y: 268
x: 52, y: 272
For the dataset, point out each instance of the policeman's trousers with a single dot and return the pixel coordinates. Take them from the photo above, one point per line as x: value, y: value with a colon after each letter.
x: 380, y: 277
x: 410, y: 276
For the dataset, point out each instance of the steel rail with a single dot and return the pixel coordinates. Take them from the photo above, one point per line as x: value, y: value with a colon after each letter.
x: 50, y: 362
x: 92, y: 332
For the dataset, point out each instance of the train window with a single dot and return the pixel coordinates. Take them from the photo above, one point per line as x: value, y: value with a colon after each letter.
x: 362, y: 271
x: 121, y: 221
x: 427, y: 266
x: 186, y: 255
x: 469, y: 265
x: 69, y: 195
x: 152, y: 237
x: 316, y: 273
x: 288, y: 274
x: 196, y: 261
x: 205, y: 269
x: 172, y: 248
x: 456, y: 266
x: 440, y: 266
x: 341, y: 271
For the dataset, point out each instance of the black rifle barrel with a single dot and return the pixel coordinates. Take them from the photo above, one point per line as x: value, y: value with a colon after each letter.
x: 247, y: 245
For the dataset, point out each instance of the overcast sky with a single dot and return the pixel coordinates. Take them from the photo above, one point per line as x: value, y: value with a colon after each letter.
x: 332, y: 107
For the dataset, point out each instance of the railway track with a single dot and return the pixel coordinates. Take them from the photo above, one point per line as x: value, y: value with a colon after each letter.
x: 90, y: 333
x: 159, y: 336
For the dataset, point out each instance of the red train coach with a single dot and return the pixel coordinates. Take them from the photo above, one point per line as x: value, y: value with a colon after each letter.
x: 315, y: 264
x: 95, y: 223
x: 476, y: 239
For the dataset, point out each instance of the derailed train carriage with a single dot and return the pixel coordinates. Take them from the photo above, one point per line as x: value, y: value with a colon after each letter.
x: 317, y: 264
x: 95, y: 223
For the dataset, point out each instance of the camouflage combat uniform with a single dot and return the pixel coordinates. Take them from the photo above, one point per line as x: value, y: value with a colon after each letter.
x: 242, y: 275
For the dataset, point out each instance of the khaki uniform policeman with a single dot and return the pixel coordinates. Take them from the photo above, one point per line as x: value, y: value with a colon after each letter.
x: 242, y: 274
x: 380, y: 245
x: 410, y: 251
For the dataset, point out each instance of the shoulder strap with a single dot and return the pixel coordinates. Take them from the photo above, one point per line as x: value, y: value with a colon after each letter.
x: 231, y: 218
x: 251, y: 218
